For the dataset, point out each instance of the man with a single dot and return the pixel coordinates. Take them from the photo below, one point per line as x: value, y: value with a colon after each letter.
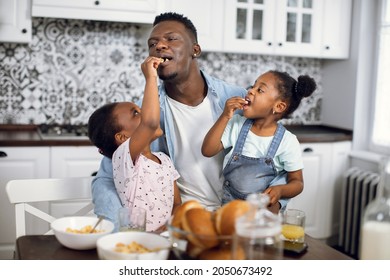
x: 190, y: 102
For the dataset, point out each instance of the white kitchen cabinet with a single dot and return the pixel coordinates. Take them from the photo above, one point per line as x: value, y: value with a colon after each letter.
x: 40, y: 162
x: 290, y: 28
x: 15, y: 21
x: 207, y: 16
x: 287, y: 27
x: 74, y: 161
x: 316, y: 176
x: 18, y: 163
x: 249, y: 26
x: 324, y: 164
x: 336, y: 29
x: 138, y: 11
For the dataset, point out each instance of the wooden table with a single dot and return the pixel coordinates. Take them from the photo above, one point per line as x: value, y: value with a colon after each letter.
x: 46, y: 247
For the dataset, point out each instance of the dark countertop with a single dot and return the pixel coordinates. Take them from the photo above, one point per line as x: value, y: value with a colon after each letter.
x: 27, y: 135
x: 319, y: 133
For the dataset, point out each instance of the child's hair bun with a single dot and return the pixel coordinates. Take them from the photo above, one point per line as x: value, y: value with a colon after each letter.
x: 305, y: 86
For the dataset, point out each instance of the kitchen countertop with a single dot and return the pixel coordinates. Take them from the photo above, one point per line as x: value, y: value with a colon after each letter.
x: 46, y: 247
x: 319, y: 133
x: 27, y: 135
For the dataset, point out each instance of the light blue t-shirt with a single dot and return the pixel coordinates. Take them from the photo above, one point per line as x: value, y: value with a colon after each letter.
x: 288, y: 156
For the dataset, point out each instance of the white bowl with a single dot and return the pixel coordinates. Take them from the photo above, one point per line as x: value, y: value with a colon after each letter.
x: 80, y: 241
x: 106, y: 246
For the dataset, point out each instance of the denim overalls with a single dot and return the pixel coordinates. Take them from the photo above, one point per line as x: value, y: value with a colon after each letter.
x: 245, y: 175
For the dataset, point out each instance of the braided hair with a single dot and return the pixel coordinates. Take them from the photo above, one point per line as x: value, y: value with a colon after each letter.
x: 102, y: 127
x: 293, y: 91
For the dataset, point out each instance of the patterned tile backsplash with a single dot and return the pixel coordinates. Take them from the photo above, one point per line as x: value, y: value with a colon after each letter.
x: 72, y: 67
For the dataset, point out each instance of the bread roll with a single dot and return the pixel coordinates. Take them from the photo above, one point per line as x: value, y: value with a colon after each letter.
x: 198, y: 221
x: 225, y: 217
x: 193, y: 251
x: 178, y: 216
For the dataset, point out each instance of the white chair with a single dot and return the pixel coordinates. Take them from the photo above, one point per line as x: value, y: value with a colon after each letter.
x: 25, y: 193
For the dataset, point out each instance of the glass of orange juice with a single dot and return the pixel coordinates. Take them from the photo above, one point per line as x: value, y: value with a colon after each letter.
x: 293, y: 225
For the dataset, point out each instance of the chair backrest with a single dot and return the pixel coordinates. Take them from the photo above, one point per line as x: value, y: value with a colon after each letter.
x: 25, y: 192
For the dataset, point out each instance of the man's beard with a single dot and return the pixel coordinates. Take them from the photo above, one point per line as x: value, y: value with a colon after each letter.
x: 168, y: 77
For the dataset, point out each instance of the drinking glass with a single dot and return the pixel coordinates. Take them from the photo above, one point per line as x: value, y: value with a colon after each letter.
x: 293, y: 225
x: 258, y: 232
x: 132, y: 219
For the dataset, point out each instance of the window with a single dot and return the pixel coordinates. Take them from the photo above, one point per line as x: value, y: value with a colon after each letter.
x: 380, y: 137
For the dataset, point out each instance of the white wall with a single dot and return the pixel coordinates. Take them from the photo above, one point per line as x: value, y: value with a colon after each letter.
x: 339, y: 85
x: 347, y: 83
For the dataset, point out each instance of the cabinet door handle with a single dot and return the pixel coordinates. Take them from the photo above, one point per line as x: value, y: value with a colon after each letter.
x: 308, y: 150
x: 3, y: 154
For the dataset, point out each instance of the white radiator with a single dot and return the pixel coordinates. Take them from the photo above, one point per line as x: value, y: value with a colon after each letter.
x: 359, y: 188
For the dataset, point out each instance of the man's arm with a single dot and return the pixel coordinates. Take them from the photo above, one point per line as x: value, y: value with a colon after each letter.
x: 104, y: 194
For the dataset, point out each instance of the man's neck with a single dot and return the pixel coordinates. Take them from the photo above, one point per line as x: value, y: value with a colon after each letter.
x: 190, y: 92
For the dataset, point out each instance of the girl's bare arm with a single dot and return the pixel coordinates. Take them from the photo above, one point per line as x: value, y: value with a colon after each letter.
x: 293, y: 187
x: 150, y: 110
x: 212, y: 144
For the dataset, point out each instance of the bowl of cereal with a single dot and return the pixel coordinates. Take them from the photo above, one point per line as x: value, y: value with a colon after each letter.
x: 75, y: 232
x: 133, y: 245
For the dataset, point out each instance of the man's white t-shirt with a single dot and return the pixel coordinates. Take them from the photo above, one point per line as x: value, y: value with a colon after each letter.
x: 200, y: 177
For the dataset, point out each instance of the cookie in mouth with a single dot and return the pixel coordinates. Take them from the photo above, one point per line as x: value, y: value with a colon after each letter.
x: 165, y: 59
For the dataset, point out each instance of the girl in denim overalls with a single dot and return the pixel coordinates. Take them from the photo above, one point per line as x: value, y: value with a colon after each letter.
x: 262, y: 156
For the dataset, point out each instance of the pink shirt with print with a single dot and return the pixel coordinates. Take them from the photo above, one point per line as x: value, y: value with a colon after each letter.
x: 145, y: 184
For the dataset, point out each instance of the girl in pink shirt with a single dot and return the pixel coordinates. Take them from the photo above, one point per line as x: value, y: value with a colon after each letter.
x: 142, y: 178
